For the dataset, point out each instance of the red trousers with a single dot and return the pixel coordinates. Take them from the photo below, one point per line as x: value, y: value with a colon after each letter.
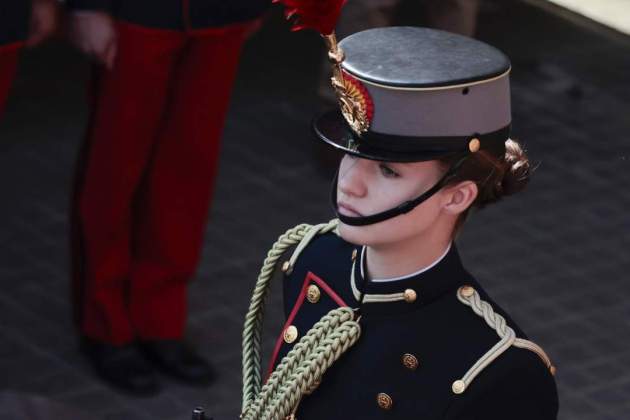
x: 145, y: 179
x: 8, y: 65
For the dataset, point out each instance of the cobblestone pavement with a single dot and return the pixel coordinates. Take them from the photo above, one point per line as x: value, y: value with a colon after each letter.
x: 556, y: 257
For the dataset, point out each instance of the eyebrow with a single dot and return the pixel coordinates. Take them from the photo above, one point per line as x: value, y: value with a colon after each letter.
x: 393, y: 164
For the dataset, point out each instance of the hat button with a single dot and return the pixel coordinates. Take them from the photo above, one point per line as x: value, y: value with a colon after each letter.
x: 410, y: 295
x: 474, y: 145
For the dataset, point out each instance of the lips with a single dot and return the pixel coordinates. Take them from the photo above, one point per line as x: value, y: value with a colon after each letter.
x: 347, y: 210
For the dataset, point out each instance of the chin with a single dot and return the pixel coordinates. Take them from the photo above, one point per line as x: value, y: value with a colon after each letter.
x: 395, y: 230
x: 357, y: 235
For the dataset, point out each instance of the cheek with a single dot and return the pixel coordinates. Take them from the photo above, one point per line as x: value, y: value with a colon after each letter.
x: 384, y: 194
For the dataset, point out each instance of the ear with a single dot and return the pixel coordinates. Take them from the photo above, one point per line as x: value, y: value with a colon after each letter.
x: 459, y: 197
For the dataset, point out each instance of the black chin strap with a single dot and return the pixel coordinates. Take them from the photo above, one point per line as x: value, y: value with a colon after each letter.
x: 402, y: 208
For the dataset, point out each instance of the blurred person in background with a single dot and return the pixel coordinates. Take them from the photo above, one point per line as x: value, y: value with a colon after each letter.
x: 459, y: 16
x: 161, y: 88
x: 22, y: 23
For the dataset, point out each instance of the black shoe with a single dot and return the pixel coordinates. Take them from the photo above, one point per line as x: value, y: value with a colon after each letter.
x: 123, y: 367
x: 177, y: 359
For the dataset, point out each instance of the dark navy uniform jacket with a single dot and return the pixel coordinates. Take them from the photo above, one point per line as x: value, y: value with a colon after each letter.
x: 14, y: 20
x: 445, y: 337
x: 177, y: 14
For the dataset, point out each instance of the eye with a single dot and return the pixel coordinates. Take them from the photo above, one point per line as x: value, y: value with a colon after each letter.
x: 388, y: 172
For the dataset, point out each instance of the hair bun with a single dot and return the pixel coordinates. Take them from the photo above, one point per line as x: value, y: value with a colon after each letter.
x: 496, y: 175
x: 517, y: 169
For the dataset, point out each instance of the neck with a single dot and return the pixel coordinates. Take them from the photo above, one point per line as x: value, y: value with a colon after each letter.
x: 404, y: 257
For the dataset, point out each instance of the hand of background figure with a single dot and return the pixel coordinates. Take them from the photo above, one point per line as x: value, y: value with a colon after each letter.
x: 44, y: 20
x: 94, y: 33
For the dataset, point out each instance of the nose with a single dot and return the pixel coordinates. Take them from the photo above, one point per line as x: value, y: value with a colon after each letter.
x: 352, y: 177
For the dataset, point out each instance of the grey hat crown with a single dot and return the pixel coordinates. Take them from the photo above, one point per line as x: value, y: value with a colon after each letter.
x: 411, y: 57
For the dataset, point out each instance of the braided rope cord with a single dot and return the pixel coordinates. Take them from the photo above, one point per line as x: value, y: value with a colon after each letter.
x: 310, y: 371
x: 468, y: 296
x: 302, y: 368
x: 252, y: 331
x: 314, y: 337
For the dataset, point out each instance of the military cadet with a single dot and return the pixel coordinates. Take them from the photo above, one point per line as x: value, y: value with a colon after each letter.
x: 383, y: 321
x: 21, y: 23
x: 163, y: 78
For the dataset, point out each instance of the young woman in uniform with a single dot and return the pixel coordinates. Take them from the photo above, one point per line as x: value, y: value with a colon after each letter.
x: 383, y: 320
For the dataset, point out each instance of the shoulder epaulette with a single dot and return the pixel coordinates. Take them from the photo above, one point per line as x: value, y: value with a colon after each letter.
x: 303, y: 235
x: 469, y: 296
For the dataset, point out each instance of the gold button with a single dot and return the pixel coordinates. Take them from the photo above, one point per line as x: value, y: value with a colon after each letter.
x: 313, y: 294
x: 384, y: 401
x: 290, y: 334
x: 474, y: 145
x: 552, y: 369
x: 286, y: 266
x: 459, y: 386
x: 354, y: 254
x: 410, y: 361
x: 410, y: 295
x: 467, y: 291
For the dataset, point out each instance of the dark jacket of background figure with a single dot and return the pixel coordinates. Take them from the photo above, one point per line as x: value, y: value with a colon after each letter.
x: 177, y: 14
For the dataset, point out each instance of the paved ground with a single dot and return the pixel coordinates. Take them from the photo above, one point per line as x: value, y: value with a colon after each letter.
x: 610, y: 13
x: 556, y: 257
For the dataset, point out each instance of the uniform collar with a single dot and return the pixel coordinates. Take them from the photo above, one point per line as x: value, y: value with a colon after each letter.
x: 408, y: 292
x: 363, y: 267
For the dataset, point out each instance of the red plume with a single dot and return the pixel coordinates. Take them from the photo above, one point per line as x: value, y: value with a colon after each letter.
x: 321, y: 15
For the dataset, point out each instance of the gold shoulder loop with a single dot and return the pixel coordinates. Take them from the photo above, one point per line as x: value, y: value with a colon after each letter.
x: 469, y: 297
x: 305, y: 235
